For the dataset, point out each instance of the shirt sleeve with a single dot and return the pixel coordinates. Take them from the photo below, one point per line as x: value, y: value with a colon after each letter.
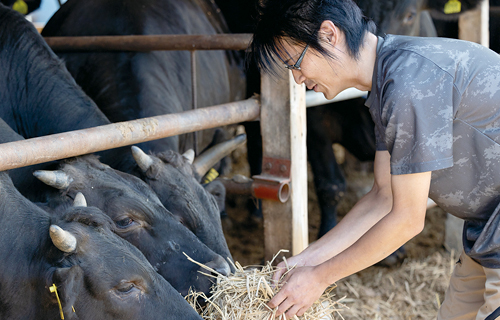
x: 417, y: 115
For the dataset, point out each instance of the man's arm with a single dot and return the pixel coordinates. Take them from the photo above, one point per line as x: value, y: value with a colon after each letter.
x: 363, y: 215
x: 374, y: 228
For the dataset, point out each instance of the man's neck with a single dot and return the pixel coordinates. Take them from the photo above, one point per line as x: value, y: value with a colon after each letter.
x: 366, y: 62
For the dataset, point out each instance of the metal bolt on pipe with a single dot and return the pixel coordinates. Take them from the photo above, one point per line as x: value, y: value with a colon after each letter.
x: 79, y: 142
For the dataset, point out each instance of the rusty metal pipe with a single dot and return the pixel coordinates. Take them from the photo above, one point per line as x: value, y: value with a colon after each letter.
x: 239, y: 188
x: 150, y: 42
x: 74, y: 143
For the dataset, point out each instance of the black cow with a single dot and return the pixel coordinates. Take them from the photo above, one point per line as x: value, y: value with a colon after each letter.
x: 138, y: 216
x: 447, y: 23
x: 39, y: 97
x: 96, y: 274
x: 132, y: 85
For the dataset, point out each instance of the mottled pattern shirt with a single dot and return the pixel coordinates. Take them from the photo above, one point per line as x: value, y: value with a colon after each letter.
x: 436, y: 107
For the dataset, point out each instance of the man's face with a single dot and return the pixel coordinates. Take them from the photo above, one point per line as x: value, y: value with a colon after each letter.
x: 318, y: 72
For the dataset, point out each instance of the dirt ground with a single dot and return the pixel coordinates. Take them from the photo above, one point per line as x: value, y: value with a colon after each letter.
x: 425, y: 253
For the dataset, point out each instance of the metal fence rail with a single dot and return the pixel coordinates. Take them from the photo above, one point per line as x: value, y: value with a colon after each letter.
x: 74, y: 143
x: 150, y: 42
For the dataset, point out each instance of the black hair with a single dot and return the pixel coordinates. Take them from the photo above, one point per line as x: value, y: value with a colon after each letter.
x: 299, y: 22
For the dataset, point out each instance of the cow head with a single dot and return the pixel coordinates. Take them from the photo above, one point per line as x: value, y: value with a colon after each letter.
x: 98, y: 275
x: 138, y: 217
x: 176, y: 182
x: 394, y: 17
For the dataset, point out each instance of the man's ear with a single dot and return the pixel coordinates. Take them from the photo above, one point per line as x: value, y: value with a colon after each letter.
x: 329, y: 32
x: 69, y: 282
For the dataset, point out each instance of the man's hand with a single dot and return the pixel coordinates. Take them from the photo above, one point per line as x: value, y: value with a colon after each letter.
x: 281, y: 268
x: 303, y: 286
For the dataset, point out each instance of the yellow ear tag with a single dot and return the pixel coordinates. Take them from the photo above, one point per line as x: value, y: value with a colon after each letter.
x: 210, y: 176
x: 452, y: 6
x: 20, y: 6
x: 52, y: 290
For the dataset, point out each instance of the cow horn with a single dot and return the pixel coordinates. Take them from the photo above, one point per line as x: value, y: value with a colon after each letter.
x: 143, y: 160
x: 62, y: 239
x: 79, y: 200
x: 57, y: 179
x: 207, y: 159
x: 189, y: 155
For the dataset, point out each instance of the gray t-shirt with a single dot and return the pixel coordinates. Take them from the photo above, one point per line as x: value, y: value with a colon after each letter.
x: 436, y: 107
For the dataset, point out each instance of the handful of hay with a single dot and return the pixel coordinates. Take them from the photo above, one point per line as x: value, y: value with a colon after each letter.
x: 245, y: 293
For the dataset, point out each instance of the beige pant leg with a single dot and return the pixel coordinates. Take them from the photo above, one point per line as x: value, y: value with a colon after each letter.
x: 491, y: 306
x: 465, y: 294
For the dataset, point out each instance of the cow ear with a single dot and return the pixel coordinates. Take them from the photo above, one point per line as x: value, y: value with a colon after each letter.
x: 218, y: 191
x: 69, y: 282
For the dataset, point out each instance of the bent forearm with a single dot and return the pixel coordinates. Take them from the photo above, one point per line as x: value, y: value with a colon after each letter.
x: 391, y: 232
x: 364, y: 215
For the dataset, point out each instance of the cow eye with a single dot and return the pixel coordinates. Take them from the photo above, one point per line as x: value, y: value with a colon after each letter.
x: 125, y: 222
x: 125, y: 287
x: 410, y: 16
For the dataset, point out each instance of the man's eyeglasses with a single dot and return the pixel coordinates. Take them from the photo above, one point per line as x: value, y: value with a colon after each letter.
x: 296, y: 66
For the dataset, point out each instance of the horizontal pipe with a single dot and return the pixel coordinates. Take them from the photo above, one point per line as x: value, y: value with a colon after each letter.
x: 150, y: 42
x: 74, y: 143
x: 238, y: 188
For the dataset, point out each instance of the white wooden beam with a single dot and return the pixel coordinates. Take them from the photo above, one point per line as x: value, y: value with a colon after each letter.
x: 473, y: 25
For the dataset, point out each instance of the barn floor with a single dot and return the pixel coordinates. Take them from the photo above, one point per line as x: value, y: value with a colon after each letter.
x: 412, y: 291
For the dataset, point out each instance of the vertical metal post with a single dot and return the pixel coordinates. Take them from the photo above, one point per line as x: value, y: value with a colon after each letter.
x: 194, y: 92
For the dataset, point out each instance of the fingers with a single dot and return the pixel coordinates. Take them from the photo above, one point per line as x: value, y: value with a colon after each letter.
x: 277, y: 300
x: 280, y: 270
x: 290, y: 313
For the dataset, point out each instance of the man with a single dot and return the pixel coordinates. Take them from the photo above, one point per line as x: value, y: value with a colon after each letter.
x: 435, y: 103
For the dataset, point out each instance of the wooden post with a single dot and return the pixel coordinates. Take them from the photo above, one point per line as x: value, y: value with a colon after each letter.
x: 283, y: 128
x: 473, y: 25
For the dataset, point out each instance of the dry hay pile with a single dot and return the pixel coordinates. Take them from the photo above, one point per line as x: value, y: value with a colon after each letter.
x: 245, y: 293
x: 413, y: 291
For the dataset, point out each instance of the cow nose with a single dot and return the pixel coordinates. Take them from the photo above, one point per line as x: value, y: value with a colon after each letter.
x: 220, y: 265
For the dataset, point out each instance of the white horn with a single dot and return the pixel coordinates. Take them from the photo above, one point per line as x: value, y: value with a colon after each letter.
x: 57, y: 179
x: 189, y: 155
x: 79, y: 200
x: 63, y: 240
x: 143, y: 160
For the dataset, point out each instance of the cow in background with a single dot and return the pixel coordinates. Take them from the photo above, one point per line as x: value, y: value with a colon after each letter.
x: 133, y: 85
x: 96, y: 274
x: 447, y: 22
x: 39, y: 97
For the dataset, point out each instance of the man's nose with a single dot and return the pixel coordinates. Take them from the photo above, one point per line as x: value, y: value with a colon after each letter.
x: 298, y: 76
